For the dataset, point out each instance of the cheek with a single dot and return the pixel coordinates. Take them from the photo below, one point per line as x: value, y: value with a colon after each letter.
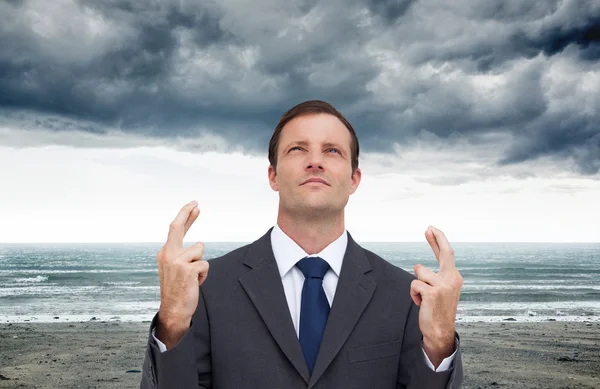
x: 284, y: 181
x: 346, y: 180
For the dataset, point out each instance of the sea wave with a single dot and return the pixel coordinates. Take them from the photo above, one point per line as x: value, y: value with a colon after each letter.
x: 30, y: 280
x: 98, y: 292
x: 511, y: 287
x: 47, y: 271
x: 525, y: 318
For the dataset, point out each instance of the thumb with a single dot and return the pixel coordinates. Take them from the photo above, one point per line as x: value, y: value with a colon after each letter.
x: 416, y: 299
x: 415, y: 293
x: 201, y: 269
x: 419, y: 290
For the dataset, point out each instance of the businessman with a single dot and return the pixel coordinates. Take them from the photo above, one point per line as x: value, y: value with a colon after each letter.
x: 304, y: 306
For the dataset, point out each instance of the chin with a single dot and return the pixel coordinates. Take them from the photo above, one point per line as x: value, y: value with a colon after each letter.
x: 318, y: 208
x: 312, y: 203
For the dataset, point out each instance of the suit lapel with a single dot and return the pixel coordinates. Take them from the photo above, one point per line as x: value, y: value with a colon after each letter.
x: 353, y: 293
x: 264, y: 287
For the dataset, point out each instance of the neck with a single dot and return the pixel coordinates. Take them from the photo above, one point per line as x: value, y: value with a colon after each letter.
x: 312, y: 234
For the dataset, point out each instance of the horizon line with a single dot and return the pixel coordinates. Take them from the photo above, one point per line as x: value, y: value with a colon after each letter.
x: 249, y: 242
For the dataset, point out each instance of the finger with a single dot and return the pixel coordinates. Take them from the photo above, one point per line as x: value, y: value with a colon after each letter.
x: 426, y: 275
x: 177, y: 227
x: 192, y: 254
x: 418, y: 290
x: 446, y: 258
x: 201, y: 269
x: 416, y: 299
x: 193, y: 216
x: 433, y: 243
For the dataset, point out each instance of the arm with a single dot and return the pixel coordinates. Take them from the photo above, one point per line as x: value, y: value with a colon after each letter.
x: 187, y: 364
x: 182, y: 321
x: 413, y: 371
x: 431, y: 321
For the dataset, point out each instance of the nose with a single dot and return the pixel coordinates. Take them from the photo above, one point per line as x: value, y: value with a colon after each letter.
x: 315, y: 161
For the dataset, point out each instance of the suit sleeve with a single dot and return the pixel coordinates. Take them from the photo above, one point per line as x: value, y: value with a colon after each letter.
x: 413, y: 372
x: 188, y: 364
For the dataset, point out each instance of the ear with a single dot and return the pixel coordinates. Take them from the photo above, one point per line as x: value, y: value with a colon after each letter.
x: 273, y: 178
x: 356, y: 176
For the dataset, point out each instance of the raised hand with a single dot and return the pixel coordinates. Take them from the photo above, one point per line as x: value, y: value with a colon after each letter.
x: 181, y: 272
x: 437, y: 295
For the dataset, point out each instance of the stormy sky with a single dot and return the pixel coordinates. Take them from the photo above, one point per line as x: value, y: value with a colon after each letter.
x: 481, y: 118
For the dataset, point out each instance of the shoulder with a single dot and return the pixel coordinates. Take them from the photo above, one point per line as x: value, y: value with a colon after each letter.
x: 224, y: 272
x: 392, y: 291
x: 230, y: 260
x: 388, y: 274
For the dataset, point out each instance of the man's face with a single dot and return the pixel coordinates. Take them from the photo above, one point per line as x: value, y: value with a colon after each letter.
x: 315, y: 146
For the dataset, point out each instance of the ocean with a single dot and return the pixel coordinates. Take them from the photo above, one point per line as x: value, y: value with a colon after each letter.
x: 119, y: 281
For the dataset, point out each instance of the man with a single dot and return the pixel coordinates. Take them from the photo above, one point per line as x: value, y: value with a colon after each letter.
x: 304, y: 306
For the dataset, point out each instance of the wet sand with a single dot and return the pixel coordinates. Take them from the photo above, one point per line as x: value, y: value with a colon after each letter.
x: 109, y: 355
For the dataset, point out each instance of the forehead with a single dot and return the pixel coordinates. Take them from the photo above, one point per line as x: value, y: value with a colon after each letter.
x: 316, y: 128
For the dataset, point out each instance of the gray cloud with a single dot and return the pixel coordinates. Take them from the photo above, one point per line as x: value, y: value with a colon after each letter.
x: 389, y: 10
x: 182, y: 69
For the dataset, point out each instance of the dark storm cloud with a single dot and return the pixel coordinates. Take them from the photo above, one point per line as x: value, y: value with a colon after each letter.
x: 497, y: 31
x: 389, y: 10
x: 574, y: 137
x: 397, y: 69
x: 34, y: 79
x: 555, y: 39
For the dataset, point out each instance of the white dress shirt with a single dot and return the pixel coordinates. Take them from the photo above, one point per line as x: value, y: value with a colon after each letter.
x: 287, y: 254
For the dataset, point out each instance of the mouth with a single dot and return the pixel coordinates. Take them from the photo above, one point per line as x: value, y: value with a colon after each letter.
x: 315, y: 181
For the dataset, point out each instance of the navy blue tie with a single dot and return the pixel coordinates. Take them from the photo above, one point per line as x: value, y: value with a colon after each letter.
x: 314, y: 309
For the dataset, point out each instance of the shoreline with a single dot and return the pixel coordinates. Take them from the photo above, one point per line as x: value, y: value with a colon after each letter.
x: 49, y: 319
x: 109, y: 354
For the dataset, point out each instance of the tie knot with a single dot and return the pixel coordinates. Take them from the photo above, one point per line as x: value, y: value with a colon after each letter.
x: 313, y: 267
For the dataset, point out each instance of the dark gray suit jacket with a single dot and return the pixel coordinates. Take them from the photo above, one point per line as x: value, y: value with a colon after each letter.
x: 242, y: 335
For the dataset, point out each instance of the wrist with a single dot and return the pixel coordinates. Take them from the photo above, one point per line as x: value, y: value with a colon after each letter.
x: 441, y: 346
x: 170, y: 330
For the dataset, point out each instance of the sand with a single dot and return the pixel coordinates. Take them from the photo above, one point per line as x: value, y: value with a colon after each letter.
x: 109, y: 354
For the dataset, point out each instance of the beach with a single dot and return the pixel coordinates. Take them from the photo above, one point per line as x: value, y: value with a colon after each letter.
x: 49, y: 294
x: 109, y: 354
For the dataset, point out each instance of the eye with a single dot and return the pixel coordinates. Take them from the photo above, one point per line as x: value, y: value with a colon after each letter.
x: 296, y: 147
x: 336, y: 150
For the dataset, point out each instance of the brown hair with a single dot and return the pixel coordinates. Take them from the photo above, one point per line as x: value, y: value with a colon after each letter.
x: 308, y: 108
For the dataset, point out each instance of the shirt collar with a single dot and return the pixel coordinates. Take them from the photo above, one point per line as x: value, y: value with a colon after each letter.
x: 288, y: 253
